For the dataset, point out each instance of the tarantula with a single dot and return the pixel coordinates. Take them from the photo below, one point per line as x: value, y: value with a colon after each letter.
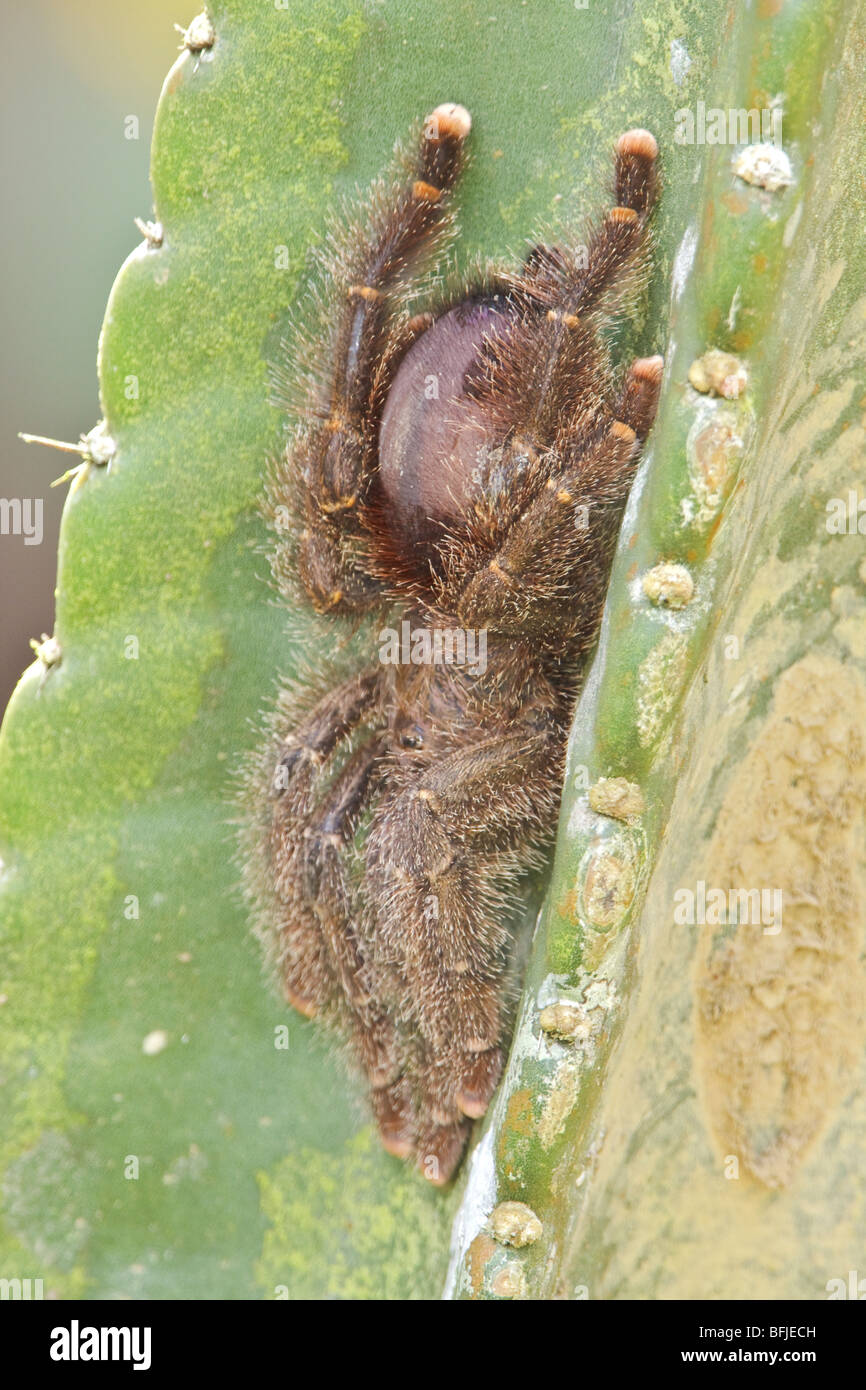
x: 462, y: 471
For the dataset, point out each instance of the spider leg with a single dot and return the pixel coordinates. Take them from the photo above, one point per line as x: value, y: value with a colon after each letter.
x: 441, y: 865
x: 515, y: 571
x: 324, y: 884
x: 305, y: 965
x: 572, y: 455
x: 334, y: 455
x: 548, y: 369
x: 639, y: 397
x: 326, y: 838
x: 307, y: 748
x: 573, y: 280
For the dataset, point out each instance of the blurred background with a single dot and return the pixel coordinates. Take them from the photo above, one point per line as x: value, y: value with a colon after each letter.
x: 73, y: 72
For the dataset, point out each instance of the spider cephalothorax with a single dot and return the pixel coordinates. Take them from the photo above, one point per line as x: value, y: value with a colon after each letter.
x: 460, y: 472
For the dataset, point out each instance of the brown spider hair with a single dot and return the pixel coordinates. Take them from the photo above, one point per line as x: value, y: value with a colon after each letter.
x: 395, y: 806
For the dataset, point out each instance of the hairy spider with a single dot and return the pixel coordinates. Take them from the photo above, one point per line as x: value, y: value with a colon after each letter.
x: 461, y: 472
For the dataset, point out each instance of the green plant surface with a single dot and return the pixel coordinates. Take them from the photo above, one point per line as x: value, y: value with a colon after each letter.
x: 155, y: 1141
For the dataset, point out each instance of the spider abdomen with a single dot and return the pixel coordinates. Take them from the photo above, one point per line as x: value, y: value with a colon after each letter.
x: 435, y: 438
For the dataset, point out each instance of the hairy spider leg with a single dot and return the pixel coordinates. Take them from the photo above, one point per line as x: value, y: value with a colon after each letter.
x: 300, y: 784
x: 547, y: 385
x: 435, y: 860
x: 334, y: 456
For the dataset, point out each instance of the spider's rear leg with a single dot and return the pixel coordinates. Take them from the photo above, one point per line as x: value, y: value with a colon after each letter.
x: 326, y: 839
x: 307, y: 748
x: 439, y: 870
x: 305, y: 969
x: 394, y: 1113
x: 306, y: 966
x: 325, y: 885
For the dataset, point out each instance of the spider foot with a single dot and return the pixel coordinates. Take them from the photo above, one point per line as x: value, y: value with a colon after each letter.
x: 440, y: 1149
x: 394, y: 1114
x: 479, y: 1079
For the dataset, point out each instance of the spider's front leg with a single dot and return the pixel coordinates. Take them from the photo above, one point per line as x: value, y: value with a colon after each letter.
x: 536, y: 449
x: 538, y: 566
x: 551, y: 368
x: 442, y: 859
x: 334, y: 455
x: 572, y: 281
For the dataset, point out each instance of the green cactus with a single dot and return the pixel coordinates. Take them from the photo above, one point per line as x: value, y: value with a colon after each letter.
x: 173, y: 1131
